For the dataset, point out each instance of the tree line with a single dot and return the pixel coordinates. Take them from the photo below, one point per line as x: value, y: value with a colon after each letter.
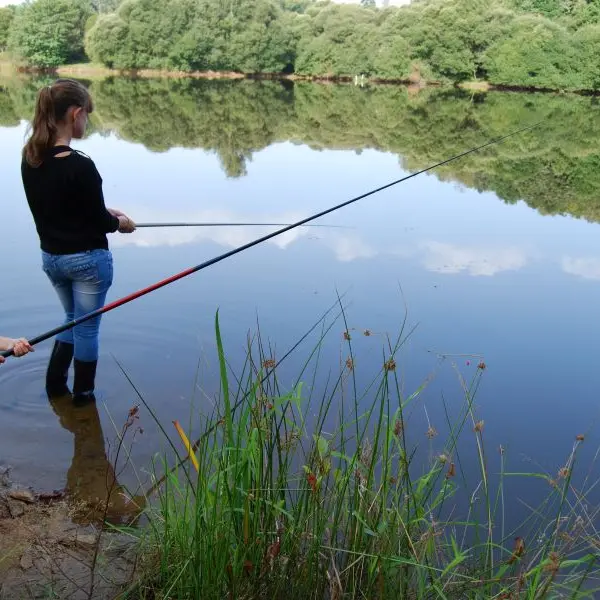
x: 554, y: 168
x: 532, y: 43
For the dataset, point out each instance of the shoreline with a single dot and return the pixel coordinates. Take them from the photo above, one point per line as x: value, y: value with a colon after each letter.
x: 45, y: 543
x: 92, y: 71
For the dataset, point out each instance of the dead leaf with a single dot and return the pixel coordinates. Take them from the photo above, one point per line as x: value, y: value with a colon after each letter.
x: 518, y: 550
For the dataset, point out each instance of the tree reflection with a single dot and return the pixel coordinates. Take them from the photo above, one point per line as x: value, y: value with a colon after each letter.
x: 554, y: 167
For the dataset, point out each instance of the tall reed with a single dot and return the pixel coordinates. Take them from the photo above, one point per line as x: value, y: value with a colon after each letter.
x: 304, y: 496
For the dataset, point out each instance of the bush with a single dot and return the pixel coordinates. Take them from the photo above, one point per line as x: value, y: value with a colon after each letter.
x: 49, y: 33
x: 536, y: 53
x: 6, y: 18
x: 190, y: 35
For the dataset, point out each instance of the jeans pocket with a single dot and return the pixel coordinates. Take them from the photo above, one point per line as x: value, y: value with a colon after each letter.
x: 85, y: 273
x: 104, y: 263
x: 80, y: 267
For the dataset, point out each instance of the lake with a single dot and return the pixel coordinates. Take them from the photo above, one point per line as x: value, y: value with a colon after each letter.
x: 494, y: 257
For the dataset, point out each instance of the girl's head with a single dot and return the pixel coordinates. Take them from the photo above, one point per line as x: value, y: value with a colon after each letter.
x: 61, y: 112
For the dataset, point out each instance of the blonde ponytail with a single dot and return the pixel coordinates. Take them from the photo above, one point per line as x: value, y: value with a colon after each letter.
x: 53, y: 102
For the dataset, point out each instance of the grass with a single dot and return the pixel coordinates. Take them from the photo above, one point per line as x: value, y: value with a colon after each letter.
x: 86, y: 70
x: 293, y: 495
x: 476, y: 86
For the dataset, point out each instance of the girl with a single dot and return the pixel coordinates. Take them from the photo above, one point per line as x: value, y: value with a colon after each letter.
x: 64, y: 193
x: 19, y: 347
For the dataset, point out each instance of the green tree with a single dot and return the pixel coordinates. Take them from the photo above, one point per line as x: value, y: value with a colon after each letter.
x: 140, y: 34
x: 539, y: 43
x: 547, y: 8
x: 587, y: 45
x: 584, y: 13
x: 297, y: 6
x: 105, y: 42
x: 537, y: 53
x: 242, y: 35
x: 342, y: 41
x: 106, y: 6
x: 7, y: 15
x: 392, y: 58
x: 48, y: 33
x: 249, y: 35
x: 451, y: 37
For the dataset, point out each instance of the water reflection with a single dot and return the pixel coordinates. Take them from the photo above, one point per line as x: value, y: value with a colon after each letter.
x: 92, y: 485
x: 584, y: 267
x: 554, y: 167
x: 475, y: 260
x: 479, y: 274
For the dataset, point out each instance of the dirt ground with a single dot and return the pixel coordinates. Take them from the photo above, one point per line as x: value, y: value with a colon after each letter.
x: 51, y: 543
x: 44, y: 553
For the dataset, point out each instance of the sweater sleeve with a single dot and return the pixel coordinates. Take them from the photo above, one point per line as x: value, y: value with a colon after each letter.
x: 94, y: 208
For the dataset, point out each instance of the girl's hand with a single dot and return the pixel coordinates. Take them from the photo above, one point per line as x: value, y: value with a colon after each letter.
x: 21, y: 347
x: 115, y: 213
x: 126, y: 225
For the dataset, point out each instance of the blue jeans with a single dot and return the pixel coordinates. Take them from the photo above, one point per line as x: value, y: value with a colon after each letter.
x: 81, y: 281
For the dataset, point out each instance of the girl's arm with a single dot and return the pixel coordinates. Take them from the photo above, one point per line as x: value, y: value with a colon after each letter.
x: 106, y: 220
x: 90, y: 184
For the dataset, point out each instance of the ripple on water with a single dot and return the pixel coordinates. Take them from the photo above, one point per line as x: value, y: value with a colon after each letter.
x: 158, y: 356
x: 20, y: 385
x: 158, y: 345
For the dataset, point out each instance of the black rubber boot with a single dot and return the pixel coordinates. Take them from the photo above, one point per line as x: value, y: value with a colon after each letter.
x: 85, y: 377
x: 58, y: 369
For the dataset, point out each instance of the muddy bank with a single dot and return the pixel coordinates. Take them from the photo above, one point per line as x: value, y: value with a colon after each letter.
x: 48, y: 551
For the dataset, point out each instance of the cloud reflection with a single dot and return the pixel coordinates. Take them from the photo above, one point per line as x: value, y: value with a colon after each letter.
x: 587, y: 268
x: 347, y: 245
x: 475, y: 260
x: 225, y: 236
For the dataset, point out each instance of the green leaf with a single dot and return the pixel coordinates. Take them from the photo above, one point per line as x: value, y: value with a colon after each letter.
x: 322, y: 446
x: 224, y: 384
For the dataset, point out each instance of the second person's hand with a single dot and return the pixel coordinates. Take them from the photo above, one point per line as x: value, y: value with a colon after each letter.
x: 21, y: 347
x: 126, y: 225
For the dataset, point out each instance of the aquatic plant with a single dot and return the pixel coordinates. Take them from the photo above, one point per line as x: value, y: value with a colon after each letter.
x: 297, y: 495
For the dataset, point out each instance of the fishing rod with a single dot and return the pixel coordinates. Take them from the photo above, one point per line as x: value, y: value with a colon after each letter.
x: 264, y: 238
x: 138, y: 225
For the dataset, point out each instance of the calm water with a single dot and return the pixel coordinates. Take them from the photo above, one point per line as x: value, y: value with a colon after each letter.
x: 497, y: 256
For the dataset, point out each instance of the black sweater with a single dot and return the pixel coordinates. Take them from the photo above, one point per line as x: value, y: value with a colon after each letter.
x: 67, y: 204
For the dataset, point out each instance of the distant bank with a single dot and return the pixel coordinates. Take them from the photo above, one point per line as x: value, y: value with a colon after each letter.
x: 97, y: 71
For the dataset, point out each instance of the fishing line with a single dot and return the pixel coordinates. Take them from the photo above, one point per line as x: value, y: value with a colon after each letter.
x: 230, y: 253
x: 138, y: 225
